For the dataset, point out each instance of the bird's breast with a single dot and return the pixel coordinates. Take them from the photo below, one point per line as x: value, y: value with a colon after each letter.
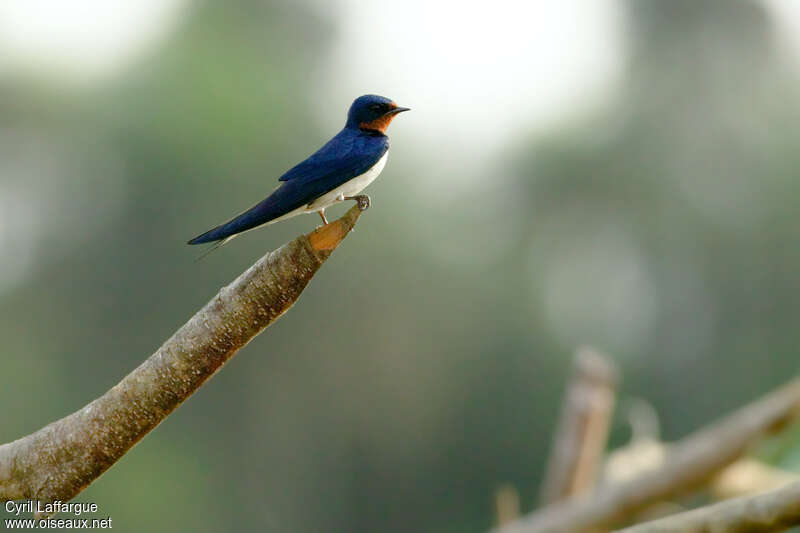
x: 358, y: 183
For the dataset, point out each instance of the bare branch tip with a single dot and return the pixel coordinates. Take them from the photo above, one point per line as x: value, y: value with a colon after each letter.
x: 328, y: 237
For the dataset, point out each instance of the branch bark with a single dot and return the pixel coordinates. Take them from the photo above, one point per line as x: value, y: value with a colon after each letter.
x: 582, y: 433
x: 63, y: 458
x: 689, y: 463
x: 775, y: 510
x: 506, y: 499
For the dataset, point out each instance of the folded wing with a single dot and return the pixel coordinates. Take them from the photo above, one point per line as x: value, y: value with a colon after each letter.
x: 301, y: 185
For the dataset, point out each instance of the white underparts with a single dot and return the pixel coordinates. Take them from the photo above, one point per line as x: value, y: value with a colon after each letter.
x: 350, y: 188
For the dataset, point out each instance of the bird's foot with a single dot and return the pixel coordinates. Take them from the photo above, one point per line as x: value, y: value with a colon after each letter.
x: 362, y: 200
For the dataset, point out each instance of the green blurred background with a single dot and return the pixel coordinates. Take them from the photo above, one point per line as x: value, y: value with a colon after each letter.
x: 613, y: 173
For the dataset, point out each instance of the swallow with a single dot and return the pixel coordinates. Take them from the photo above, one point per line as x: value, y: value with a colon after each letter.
x: 338, y: 171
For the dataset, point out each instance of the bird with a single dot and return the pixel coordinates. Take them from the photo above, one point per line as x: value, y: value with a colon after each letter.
x: 338, y: 171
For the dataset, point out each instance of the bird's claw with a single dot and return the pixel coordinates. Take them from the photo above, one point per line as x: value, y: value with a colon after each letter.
x: 362, y: 200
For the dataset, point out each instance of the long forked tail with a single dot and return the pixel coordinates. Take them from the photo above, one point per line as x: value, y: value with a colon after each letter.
x: 219, y: 233
x: 275, y: 205
x: 217, y: 245
x: 226, y: 230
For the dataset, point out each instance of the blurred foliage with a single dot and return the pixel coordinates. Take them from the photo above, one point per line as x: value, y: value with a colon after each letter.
x: 422, y: 368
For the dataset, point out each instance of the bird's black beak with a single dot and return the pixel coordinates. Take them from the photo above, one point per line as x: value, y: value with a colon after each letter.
x: 397, y: 110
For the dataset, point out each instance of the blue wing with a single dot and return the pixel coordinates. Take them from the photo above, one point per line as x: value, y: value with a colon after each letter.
x: 343, y: 158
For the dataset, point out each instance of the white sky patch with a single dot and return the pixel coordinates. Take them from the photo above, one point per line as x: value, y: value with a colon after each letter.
x: 477, y: 72
x: 787, y: 18
x: 83, y: 39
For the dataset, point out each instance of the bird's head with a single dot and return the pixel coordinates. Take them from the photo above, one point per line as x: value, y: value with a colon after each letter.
x: 372, y: 113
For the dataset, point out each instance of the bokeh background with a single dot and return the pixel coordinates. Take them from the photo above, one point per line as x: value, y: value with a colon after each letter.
x: 615, y: 173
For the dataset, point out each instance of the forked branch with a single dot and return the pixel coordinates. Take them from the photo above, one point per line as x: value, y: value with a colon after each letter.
x: 690, y: 462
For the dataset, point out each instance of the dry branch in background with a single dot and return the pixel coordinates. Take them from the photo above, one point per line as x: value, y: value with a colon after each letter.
x: 63, y: 458
x: 689, y: 463
x: 506, y: 499
x: 747, y: 477
x: 776, y: 510
x: 582, y: 433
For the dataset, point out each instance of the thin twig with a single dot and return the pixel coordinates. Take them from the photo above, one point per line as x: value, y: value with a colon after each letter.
x: 775, y: 510
x: 61, y: 459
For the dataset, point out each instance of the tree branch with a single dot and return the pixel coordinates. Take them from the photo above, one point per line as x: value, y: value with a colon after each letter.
x: 582, y: 433
x: 63, y: 458
x: 775, y: 510
x: 689, y: 463
x: 506, y: 500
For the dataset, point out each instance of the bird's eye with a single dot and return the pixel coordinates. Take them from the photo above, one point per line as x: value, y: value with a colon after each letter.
x: 376, y: 107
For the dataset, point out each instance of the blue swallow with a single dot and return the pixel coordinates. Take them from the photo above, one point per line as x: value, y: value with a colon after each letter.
x: 338, y: 171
